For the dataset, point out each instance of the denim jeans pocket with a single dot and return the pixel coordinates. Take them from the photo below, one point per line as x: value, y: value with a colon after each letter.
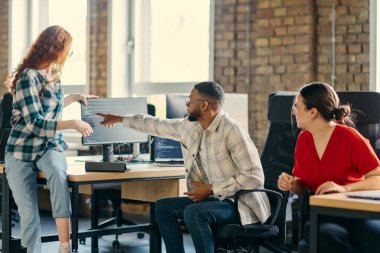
x: 51, y: 156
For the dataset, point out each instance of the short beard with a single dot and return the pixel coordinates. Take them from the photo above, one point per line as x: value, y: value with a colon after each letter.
x: 192, y: 118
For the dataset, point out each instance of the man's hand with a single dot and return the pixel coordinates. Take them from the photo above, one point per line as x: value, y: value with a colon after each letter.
x: 330, y: 187
x: 201, y: 192
x: 109, y: 120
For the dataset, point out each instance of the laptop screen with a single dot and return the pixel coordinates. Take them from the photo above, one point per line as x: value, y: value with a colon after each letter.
x: 166, y: 150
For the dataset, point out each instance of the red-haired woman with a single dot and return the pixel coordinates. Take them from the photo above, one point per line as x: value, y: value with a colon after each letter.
x: 35, y: 142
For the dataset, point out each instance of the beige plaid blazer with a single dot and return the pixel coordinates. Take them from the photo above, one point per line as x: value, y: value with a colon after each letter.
x: 233, y: 161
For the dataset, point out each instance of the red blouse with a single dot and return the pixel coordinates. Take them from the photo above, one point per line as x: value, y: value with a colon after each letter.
x: 347, y: 158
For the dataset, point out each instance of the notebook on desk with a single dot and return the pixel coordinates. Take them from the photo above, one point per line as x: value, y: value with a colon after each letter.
x: 167, y: 152
x: 372, y: 195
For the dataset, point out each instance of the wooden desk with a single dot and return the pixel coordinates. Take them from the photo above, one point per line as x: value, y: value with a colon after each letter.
x: 338, y: 205
x: 77, y: 177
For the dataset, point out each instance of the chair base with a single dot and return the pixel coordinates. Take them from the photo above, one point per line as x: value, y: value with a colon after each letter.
x: 248, y: 246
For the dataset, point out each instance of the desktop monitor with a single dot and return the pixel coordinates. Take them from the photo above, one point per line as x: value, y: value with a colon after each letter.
x: 107, y: 136
x: 175, y: 106
x: 235, y: 104
x: 166, y: 150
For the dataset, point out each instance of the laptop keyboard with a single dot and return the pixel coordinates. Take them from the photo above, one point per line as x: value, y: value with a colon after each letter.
x: 169, y: 164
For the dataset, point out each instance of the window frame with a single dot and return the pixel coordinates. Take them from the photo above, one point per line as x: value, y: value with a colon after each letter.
x: 374, y: 44
x: 118, y: 88
x: 31, y: 24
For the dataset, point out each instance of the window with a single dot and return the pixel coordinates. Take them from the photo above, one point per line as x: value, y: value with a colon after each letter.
x: 374, y: 61
x: 72, y: 15
x: 172, y: 41
x: 158, y: 46
x: 29, y: 18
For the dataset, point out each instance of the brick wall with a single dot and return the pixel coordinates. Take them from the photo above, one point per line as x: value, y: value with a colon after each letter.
x: 352, y: 43
x: 3, y: 44
x: 285, y: 44
x: 98, y: 47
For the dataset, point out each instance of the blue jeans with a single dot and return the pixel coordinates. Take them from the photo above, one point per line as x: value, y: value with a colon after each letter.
x: 347, y: 235
x: 199, y: 218
x: 22, y: 179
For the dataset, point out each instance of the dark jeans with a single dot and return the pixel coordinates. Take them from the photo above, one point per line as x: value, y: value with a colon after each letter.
x: 199, y: 218
x: 343, y: 235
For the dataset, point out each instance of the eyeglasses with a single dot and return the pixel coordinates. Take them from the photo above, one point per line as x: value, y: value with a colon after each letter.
x: 188, y: 100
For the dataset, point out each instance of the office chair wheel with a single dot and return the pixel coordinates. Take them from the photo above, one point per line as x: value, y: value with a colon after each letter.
x: 140, y: 235
x: 116, y: 244
x: 82, y: 240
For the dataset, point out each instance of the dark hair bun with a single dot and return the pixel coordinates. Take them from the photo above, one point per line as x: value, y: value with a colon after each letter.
x: 342, y: 112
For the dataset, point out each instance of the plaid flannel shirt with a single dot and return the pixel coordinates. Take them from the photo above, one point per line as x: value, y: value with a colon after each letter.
x: 233, y: 161
x: 35, y: 116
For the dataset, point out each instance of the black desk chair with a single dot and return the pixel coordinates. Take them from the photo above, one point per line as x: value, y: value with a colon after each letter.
x: 277, y: 157
x: 365, y: 105
x: 5, y: 129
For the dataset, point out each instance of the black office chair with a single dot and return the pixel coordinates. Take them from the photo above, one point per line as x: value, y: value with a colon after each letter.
x: 365, y: 105
x: 5, y: 129
x: 277, y: 157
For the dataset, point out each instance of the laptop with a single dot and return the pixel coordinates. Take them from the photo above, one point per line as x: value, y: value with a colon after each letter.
x: 167, y: 152
x: 372, y: 195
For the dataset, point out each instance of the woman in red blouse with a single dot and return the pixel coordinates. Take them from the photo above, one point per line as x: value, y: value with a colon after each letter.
x: 331, y: 156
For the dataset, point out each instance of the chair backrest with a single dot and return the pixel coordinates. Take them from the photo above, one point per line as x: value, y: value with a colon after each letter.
x: 5, y: 127
x: 365, y: 104
x: 278, y: 152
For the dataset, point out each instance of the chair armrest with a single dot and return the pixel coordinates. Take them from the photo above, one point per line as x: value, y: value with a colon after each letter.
x: 278, y: 206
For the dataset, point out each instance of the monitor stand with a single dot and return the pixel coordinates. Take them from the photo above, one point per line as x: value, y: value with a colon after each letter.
x: 136, y: 149
x: 107, y: 164
x: 107, y: 153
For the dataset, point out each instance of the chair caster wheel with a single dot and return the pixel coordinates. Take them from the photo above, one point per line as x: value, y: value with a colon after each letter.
x: 140, y: 235
x: 82, y: 240
x: 115, y: 244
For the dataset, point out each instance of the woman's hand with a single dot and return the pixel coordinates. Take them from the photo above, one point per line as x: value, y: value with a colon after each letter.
x: 82, y: 98
x: 109, y: 120
x: 77, y: 97
x: 83, y: 127
x: 285, y: 182
x: 330, y: 187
